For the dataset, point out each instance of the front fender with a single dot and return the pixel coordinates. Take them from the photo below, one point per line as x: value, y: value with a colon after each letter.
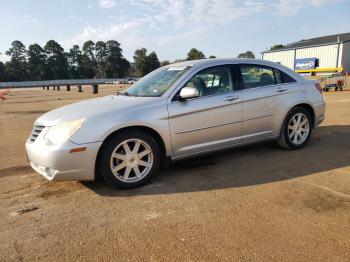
x: 99, y: 127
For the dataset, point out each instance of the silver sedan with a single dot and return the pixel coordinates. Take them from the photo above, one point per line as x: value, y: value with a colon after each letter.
x: 177, y: 111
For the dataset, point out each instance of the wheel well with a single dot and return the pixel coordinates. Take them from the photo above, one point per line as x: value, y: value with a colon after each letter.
x: 311, y: 111
x: 144, y: 129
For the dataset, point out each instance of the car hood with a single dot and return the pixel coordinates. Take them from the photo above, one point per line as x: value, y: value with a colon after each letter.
x: 93, y: 107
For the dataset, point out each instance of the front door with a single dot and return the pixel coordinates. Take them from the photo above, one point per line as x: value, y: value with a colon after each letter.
x: 211, y: 121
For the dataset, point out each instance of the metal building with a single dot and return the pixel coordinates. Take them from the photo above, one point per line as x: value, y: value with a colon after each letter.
x: 327, y: 54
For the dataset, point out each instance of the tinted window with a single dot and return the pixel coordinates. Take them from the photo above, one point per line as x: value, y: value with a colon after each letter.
x: 287, y: 78
x: 257, y: 76
x: 212, y: 81
x: 278, y: 76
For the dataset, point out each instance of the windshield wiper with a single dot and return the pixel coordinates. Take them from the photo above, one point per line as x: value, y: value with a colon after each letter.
x: 124, y: 94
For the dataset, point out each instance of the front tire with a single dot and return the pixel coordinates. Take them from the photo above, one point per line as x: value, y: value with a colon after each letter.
x: 129, y: 159
x: 296, y: 129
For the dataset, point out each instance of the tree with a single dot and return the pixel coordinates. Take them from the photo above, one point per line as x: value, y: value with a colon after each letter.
x: 144, y: 63
x: 75, y: 63
x: 2, y: 72
x: 101, y: 57
x: 164, y: 63
x: 212, y: 56
x: 195, y: 54
x: 17, y: 67
x: 248, y: 54
x: 152, y: 62
x: 89, y: 62
x: 140, y: 58
x: 116, y: 64
x: 276, y: 47
x: 179, y: 60
x: 57, y: 60
x: 37, y: 67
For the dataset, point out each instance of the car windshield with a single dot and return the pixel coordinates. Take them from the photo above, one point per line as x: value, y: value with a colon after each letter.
x: 157, y: 82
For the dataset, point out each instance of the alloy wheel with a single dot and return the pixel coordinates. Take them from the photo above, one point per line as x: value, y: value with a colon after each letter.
x: 298, y: 128
x: 131, y: 160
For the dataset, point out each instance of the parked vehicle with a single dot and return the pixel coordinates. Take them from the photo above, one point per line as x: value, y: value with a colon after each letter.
x: 175, y: 112
x: 132, y: 81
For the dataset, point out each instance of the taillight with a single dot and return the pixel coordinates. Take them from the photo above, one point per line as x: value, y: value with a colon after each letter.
x: 318, y: 86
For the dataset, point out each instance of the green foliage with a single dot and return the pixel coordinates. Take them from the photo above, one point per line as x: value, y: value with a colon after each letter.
x: 88, y: 60
x: 37, y: 67
x: 179, y: 60
x: 248, y: 54
x: 152, y: 62
x: 212, y: 56
x: 116, y: 64
x: 276, y: 47
x: 16, y: 69
x: 100, y: 56
x: 2, y: 72
x: 56, y: 61
x: 100, y: 60
x: 75, y: 63
x: 144, y: 63
x: 164, y: 63
x: 195, y: 54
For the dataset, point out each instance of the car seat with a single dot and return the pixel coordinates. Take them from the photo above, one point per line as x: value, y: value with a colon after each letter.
x: 266, y: 79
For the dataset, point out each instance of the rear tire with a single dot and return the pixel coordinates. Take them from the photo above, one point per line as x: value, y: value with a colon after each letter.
x: 129, y: 159
x: 296, y: 129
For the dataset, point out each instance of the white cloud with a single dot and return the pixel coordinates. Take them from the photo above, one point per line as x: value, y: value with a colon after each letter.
x: 319, y: 3
x: 179, y: 18
x: 290, y: 7
x: 107, y: 3
x: 139, y: 21
x: 31, y: 18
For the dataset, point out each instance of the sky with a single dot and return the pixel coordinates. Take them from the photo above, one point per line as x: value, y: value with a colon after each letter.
x: 223, y: 28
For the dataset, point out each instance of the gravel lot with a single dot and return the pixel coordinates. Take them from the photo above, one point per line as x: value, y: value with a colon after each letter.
x: 254, y: 203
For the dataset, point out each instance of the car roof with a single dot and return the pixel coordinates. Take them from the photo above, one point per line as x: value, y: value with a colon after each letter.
x: 210, y: 61
x: 218, y: 61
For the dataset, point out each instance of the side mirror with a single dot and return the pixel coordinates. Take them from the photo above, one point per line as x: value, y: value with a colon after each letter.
x: 189, y: 92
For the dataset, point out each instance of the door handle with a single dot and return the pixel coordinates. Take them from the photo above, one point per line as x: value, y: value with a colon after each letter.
x: 282, y: 90
x: 231, y: 98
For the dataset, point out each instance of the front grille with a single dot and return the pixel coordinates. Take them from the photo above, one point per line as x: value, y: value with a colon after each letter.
x: 36, y: 132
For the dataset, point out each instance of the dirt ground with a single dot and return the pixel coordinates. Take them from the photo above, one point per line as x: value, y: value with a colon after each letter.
x: 257, y: 203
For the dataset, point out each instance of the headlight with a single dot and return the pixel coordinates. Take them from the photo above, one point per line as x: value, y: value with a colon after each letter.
x: 62, y: 132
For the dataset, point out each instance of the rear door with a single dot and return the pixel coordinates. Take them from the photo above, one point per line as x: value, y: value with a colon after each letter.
x: 211, y: 121
x: 263, y: 97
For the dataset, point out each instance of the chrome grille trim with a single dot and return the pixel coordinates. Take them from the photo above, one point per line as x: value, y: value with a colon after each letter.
x: 36, y: 132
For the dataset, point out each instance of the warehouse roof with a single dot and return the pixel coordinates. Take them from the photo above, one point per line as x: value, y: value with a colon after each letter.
x: 324, y: 40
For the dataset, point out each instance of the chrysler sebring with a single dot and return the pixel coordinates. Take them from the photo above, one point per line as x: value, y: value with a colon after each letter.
x: 175, y: 112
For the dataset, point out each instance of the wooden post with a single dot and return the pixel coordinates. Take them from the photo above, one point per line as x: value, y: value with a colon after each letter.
x: 47, y: 87
x: 54, y: 87
x: 79, y: 88
x: 95, y: 89
x: 68, y: 87
x: 58, y: 88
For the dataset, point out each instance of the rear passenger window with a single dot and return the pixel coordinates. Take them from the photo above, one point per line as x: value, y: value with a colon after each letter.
x: 287, y: 78
x: 282, y: 77
x: 278, y: 76
x: 257, y: 76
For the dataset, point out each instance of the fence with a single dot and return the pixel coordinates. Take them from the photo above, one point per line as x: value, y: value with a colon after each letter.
x: 56, y: 84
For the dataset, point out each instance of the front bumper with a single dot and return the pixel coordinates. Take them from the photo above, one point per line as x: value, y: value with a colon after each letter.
x: 56, y: 163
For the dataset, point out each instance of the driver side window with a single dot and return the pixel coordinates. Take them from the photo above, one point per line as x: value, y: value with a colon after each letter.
x: 212, y: 81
